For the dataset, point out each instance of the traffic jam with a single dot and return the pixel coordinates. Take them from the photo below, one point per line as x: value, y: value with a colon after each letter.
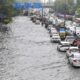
x: 64, y: 32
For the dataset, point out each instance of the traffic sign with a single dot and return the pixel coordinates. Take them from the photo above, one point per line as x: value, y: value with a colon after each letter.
x: 27, y: 5
x: 37, y: 5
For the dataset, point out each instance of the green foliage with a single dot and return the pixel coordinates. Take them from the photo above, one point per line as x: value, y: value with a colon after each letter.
x: 6, y: 9
x: 78, y: 12
x: 65, y: 6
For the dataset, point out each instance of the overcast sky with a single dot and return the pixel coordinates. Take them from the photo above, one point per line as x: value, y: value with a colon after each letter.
x: 34, y: 0
x: 46, y: 0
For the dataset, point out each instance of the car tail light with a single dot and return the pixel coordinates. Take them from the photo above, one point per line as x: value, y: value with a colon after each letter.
x: 75, y: 60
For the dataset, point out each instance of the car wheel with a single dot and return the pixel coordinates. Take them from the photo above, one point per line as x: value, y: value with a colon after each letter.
x: 50, y: 35
x: 73, y: 65
x: 58, y: 49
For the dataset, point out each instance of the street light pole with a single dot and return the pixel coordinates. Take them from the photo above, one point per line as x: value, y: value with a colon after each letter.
x: 49, y: 8
x: 65, y: 13
x: 43, y: 11
x: 75, y: 3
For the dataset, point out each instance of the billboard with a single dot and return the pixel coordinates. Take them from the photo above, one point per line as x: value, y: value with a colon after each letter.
x: 27, y: 5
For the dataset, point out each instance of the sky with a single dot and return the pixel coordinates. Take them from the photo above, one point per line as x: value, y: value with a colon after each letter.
x: 46, y: 0
x: 35, y: 0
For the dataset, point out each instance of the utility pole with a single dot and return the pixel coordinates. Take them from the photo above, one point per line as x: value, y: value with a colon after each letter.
x: 43, y: 11
x: 65, y: 13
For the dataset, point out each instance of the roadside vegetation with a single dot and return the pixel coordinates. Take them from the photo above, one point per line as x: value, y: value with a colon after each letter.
x: 6, y: 11
x: 67, y: 7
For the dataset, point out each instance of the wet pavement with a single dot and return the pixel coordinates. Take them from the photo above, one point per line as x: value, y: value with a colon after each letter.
x: 26, y: 53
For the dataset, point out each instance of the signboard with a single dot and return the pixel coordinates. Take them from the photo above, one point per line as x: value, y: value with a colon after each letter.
x: 27, y: 5
x: 37, y: 5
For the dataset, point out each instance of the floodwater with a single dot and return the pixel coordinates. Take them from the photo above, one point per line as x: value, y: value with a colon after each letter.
x: 26, y: 53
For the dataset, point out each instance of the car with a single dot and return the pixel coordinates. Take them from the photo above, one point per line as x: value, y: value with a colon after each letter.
x: 49, y: 27
x: 72, y: 50
x: 69, y: 32
x: 68, y: 23
x: 77, y: 29
x: 54, y: 21
x: 63, y: 46
x: 55, y: 38
x: 37, y: 22
x: 53, y: 33
x: 70, y: 38
x: 59, y: 22
x: 51, y: 18
x: 76, y: 42
x: 74, y: 60
x: 32, y: 17
x: 72, y: 29
x: 51, y: 21
x: 52, y: 30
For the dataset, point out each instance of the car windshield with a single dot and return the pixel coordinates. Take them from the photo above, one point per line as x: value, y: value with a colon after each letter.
x: 74, y: 50
x: 77, y: 56
x: 66, y: 44
x: 70, y: 37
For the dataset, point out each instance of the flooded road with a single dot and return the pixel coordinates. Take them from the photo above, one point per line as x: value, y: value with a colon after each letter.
x: 26, y: 53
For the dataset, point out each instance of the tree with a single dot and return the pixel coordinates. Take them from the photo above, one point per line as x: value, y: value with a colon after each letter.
x: 64, y: 6
x: 6, y: 9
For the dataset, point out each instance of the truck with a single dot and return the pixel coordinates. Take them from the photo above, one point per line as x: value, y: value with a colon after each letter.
x: 62, y: 32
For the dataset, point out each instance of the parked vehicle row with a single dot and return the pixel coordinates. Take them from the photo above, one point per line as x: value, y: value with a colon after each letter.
x: 72, y: 52
x: 71, y: 44
x: 54, y: 34
x: 73, y: 28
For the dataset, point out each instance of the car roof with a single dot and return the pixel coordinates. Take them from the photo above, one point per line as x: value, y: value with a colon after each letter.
x: 73, y: 47
x: 55, y: 36
x: 69, y: 36
x: 64, y: 42
x: 77, y: 54
x: 53, y: 28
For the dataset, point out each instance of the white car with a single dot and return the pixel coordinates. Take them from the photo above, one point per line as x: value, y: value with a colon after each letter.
x: 74, y: 60
x: 53, y: 31
x: 55, y: 38
x: 78, y: 31
x: 37, y: 22
x: 67, y: 23
x: 54, y: 22
x: 59, y: 21
x: 50, y: 28
x: 70, y: 38
x: 72, y: 50
x: 63, y: 46
x: 71, y: 29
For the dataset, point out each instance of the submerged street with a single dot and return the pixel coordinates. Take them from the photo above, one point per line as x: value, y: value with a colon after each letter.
x: 26, y: 53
